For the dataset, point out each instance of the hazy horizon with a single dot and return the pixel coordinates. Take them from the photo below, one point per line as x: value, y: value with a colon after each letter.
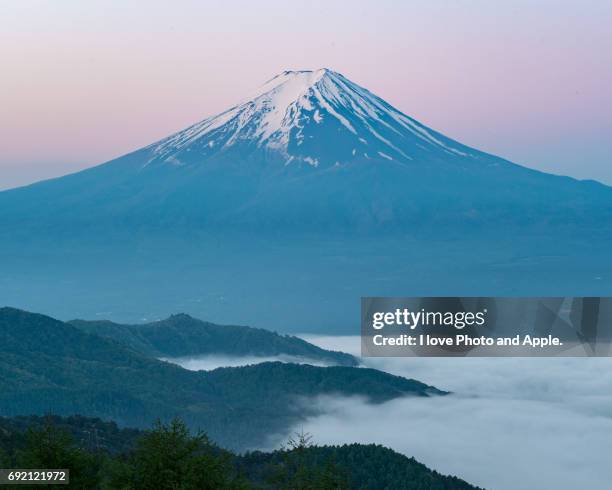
x: 529, y: 83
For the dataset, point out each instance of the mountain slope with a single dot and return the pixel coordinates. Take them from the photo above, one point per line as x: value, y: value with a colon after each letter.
x: 296, y: 113
x: 310, y: 150
x: 184, y: 336
x: 47, y: 366
x: 285, y: 209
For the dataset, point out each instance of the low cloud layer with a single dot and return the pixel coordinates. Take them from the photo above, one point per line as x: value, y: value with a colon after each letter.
x: 208, y: 363
x: 511, y: 424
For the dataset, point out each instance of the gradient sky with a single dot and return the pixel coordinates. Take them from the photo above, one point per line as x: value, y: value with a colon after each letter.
x: 83, y: 82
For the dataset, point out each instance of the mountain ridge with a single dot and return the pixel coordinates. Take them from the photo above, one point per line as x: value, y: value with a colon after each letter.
x: 181, y: 335
x: 49, y: 366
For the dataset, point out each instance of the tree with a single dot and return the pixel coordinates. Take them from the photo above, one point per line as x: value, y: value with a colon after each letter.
x: 332, y: 477
x: 300, y: 471
x: 52, y: 448
x: 5, y: 460
x: 168, y: 457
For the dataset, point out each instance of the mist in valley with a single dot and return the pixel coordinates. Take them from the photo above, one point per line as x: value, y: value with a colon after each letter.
x: 509, y: 424
x: 210, y: 362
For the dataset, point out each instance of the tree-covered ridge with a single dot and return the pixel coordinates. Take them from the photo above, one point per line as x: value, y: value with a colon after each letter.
x: 168, y: 456
x: 48, y: 366
x: 363, y: 466
x: 88, y: 433
x: 182, y: 336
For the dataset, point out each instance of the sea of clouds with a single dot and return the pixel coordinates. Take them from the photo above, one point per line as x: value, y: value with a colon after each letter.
x: 510, y: 424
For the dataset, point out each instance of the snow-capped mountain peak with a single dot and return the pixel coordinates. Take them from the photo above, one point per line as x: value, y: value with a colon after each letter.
x: 310, y: 116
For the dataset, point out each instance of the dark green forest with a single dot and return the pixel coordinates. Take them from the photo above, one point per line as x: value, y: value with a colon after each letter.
x: 100, y: 455
x: 183, y: 336
x: 166, y: 417
x: 49, y: 366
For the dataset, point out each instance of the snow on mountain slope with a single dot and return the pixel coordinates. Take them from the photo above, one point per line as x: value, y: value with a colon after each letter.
x: 316, y: 117
x: 288, y: 207
x: 309, y: 150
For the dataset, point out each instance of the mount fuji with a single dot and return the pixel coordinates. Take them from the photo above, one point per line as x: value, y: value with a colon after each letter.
x: 286, y: 208
x: 317, y: 118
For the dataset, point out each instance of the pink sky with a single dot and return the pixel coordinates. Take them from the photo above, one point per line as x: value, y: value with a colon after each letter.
x: 83, y: 82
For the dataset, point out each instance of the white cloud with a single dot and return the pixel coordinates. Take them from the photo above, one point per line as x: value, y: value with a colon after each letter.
x: 207, y: 363
x: 511, y: 424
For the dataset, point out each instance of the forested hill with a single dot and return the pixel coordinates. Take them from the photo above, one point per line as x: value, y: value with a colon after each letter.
x: 101, y: 456
x: 183, y: 336
x: 48, y: 366
x: 364, y: 466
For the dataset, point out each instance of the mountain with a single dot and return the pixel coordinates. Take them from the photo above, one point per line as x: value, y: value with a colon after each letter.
x: 286, y: 208
x: 48, y: 366
x: 184, y: 336
x: 310, y: 149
